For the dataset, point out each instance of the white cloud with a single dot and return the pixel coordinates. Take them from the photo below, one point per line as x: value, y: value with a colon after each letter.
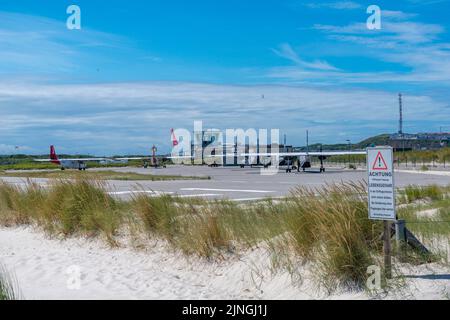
x: 130, y: 117
x: 338, y: 5
x: 413, y: 46
x: 404, y: 32
x: 397, y: 15
x: 286, y: 51
x: 38, y: 45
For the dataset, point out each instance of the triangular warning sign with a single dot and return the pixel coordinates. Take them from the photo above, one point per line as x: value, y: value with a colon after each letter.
x: 379, y: 163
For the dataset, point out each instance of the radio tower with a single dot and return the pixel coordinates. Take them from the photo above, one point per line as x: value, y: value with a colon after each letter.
x: 400, y: 124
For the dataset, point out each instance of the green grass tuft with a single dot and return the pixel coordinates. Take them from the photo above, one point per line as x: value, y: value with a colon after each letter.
x: 8, y: 286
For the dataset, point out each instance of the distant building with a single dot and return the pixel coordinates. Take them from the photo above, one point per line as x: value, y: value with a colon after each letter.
x: 419, y: 141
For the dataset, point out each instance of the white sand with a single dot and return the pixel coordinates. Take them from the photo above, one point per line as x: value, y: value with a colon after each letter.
x: 429, y: 213
x: 41, y: 265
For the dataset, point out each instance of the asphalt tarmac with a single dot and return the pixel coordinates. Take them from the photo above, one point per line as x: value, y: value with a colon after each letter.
x: 244, y: 184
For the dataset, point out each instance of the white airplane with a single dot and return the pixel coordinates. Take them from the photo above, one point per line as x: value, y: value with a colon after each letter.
x: 304, y: 157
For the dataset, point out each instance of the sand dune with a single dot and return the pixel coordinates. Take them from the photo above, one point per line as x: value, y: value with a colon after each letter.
x: 46, y: 269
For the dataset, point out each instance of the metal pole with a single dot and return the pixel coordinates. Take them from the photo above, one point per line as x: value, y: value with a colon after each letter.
x: 400, y: 238
x: 387, y: 250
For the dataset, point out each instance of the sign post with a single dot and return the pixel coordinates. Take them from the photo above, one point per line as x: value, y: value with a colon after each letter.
x: 381, y: 191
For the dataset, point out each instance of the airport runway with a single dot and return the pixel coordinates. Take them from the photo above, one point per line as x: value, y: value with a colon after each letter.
x: 242, y: 184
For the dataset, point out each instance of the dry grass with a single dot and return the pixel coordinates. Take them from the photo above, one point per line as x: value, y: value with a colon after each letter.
x: 67, y: 208
x: 326, y: 227
x: 329, y: 228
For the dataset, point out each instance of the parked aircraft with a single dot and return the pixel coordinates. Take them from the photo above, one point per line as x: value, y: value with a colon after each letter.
x: 75, y: 163
x: 303, y: 158
x: 81, y: 163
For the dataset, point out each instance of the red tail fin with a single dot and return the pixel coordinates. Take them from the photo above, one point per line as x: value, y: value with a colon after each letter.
x: 53, y: 155
x: 174, y: 138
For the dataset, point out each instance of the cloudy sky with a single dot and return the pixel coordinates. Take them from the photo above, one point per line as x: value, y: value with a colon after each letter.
x: 138, y: 68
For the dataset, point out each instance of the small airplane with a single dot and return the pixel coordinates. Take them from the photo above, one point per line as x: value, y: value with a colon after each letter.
x: 304, y: 158
x: 81, y: 163
x: 76, y: 163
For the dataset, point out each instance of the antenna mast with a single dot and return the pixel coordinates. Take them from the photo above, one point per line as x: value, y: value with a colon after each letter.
x: 307, y: 141
x: 400, y: 124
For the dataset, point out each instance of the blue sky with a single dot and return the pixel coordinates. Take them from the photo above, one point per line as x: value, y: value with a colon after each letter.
x: 138, y: 68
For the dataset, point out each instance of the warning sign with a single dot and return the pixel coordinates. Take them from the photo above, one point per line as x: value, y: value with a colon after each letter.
x: 379, y: 163
x: 381, y: 186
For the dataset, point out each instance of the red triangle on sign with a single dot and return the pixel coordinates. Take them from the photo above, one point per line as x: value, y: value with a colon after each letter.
x: 379, y: 163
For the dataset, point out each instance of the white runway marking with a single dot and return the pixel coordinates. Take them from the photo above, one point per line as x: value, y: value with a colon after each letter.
x: 258, y: 198
x: 226, y: 190
x: 156, y: 193
x: 198, y: 195
x: 248, y: 199
x: 161, y: 193
x: 435, y: 173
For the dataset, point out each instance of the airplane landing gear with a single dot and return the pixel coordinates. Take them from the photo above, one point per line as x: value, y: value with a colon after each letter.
x: 322, y: 168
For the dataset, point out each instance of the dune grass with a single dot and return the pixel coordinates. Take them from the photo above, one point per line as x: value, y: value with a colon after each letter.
x: 426, y: 211
x: 8, y: 287
x: 69, y: 208
x: 328, y: 227
x: 413, y: 193
x: 325, y: 227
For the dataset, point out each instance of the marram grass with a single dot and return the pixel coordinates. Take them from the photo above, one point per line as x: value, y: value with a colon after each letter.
x: 8, y: 286
x: 326, y: 227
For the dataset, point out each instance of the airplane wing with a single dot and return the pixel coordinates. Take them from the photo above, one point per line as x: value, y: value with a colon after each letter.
x: 73, y: 159
x: 297, y: 154
x: 337, y: 153
x: 133, y: 158
x: 208, y: 156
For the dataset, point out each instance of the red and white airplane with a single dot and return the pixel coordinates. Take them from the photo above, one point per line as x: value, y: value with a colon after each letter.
x: 81, y: 163
x: 74, y: 163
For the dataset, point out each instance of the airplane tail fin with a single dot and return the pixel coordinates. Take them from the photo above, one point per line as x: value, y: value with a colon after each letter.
x: 174, y: 138
x: 53, y: 155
